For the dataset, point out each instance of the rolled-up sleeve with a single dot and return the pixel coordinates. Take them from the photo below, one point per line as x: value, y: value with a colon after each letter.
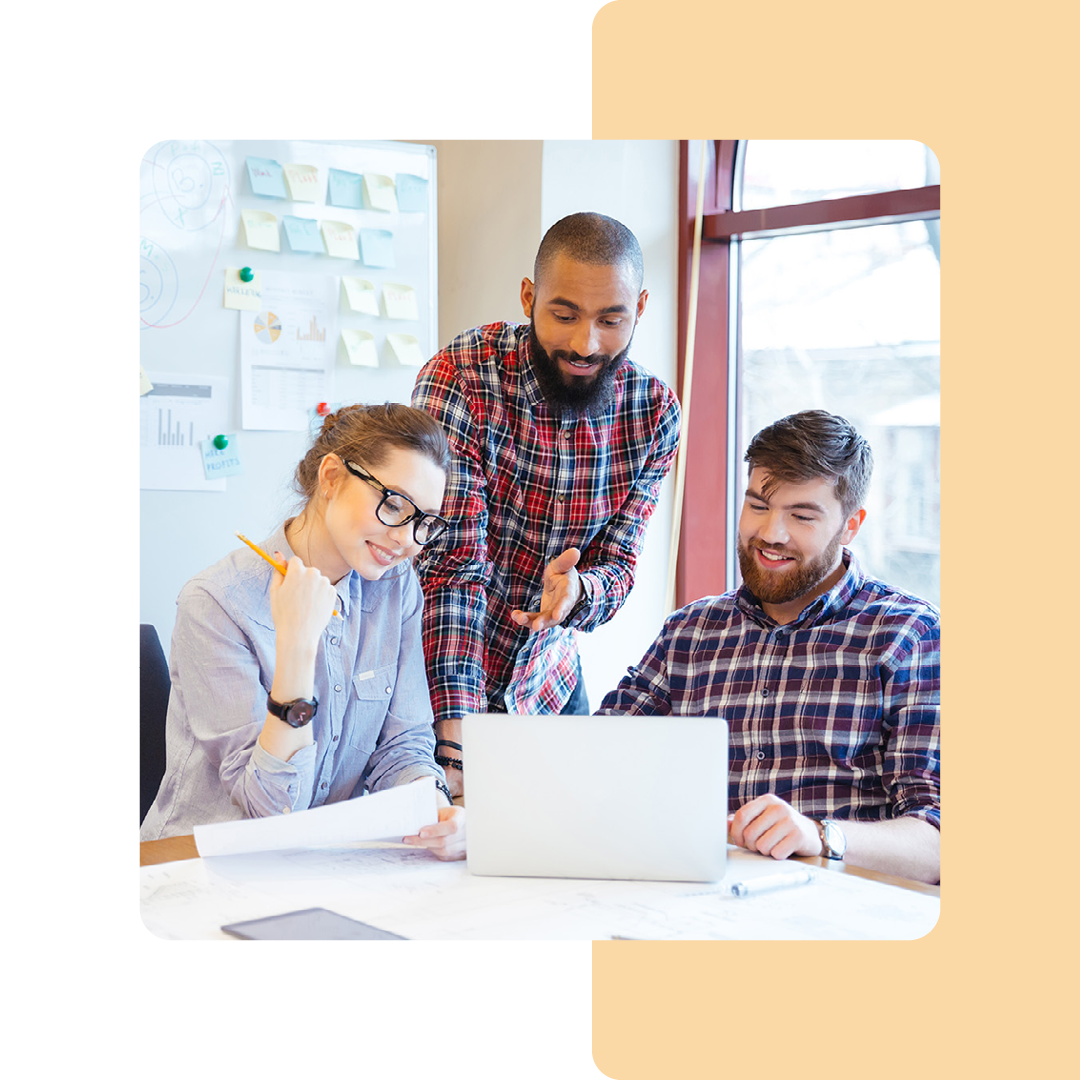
x: 219, y: 691
x: 912, y: 726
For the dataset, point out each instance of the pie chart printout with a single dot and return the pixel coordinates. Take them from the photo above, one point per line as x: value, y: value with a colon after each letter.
x: 267, y: 327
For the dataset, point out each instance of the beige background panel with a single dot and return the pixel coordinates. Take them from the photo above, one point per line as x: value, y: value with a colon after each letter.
x: 988, y: 94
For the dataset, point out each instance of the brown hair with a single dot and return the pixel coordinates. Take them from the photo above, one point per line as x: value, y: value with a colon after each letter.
x: 590, y: 238
x: 813, y: 444
x: 365, y: 434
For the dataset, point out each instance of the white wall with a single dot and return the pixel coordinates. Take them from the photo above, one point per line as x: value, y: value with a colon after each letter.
x: 637, y: 183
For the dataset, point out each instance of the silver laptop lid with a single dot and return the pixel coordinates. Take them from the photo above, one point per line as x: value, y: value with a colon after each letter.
x: 629, y: 797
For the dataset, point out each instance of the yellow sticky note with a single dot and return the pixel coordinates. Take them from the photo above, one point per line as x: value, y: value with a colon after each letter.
x: 400, y: 301
x: 359, y: 348
x: 303, y: 182
x: 360, y: 295
x: 406, y: 348
x: 340, y: 239
x: 240, y: 294
x: 260, y: 230
x: 379, y: 193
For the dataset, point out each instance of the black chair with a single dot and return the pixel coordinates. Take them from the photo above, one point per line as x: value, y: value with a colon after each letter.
x: 154, y: 686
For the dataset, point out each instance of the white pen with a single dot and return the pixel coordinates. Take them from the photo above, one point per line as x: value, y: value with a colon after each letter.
x: 770, y: 882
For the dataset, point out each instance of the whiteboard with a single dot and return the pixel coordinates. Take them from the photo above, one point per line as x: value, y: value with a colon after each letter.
x: 192, y: 193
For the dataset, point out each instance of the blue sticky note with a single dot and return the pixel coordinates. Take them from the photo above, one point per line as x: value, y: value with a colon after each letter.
x: 345, y: 188
x: 220, y: 463
x: 303, y: 234
x: 266, y: 177
x: 411, y: 193
x: 377, y: 247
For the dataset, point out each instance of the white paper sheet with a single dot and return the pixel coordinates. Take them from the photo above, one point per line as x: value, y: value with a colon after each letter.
x: 384, y: 815
x: 287, y: 351
x: 175, y: 416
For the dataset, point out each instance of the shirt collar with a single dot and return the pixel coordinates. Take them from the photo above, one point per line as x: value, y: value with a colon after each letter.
x: 837, y: 598
x: 530, y: 385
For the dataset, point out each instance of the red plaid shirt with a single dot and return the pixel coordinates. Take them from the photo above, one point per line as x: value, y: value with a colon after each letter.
x: 524, y: 486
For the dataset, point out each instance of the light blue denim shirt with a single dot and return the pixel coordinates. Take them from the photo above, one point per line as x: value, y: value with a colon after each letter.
x: 373, y: 725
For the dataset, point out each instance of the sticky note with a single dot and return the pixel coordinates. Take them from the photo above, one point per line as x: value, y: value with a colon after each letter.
x: 219, y: 463
x: 303, y: 182
x: 303, y: 234
x: 266, y: 177
x: 240, y: 294
x: 411, y: 193
x: 406, y: 349
x: 340, y: 240
x: 360, y: 295
x: 379, y: 192
x: 359, y: 347
x: 400, y: 301
x: 260, y: 230
x: 345, y: 189
x: 377, y: 247
x: 145, y: 385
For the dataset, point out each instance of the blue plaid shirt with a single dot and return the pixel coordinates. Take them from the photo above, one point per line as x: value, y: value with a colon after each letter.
x: 836, y: 712
x: 523, y: 487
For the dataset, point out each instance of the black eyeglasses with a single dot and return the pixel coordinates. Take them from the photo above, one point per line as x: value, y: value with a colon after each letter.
x: 395, y: 509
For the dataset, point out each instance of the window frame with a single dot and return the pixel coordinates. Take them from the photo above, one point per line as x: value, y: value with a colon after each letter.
x: 708, y: 513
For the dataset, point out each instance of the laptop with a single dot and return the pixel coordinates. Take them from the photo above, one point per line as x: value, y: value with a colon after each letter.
x: 626, y: 797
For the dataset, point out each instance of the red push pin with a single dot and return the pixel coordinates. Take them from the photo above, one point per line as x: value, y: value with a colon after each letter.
x: 322, y: 408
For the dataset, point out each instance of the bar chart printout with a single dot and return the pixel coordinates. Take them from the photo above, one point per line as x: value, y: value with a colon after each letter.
x: 176, y: 415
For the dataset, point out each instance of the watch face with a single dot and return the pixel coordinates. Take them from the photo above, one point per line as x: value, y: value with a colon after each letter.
x: 835, y: 838
x: 299, y: 713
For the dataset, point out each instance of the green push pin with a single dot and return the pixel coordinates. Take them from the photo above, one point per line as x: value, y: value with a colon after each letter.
x: 220, y: 442
x: 247, y: 274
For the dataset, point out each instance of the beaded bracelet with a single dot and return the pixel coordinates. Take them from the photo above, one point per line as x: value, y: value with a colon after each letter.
x: 448, y: 762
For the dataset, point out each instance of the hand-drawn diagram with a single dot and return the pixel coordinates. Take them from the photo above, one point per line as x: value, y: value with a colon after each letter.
x: 158, y: 282
x: 190, y: 180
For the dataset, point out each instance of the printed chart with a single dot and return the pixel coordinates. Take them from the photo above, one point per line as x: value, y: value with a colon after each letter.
x: 287, y: 351
x: 175, y: 416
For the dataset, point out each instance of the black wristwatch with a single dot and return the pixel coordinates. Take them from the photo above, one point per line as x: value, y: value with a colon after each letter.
x: 833, y: 840
x: 298, y: 713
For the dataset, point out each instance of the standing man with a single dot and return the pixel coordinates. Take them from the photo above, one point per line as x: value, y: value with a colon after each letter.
x: 828, y: 679
x: 560, y: 444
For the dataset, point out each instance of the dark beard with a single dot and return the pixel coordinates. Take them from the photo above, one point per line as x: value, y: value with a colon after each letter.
x: 580, y: 397
x: 804, y: 577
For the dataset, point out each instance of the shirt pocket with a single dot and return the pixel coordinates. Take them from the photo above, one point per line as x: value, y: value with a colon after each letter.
x: 371, y: 695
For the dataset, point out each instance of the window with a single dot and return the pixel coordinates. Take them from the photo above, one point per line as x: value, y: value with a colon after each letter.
x: 832, y: 299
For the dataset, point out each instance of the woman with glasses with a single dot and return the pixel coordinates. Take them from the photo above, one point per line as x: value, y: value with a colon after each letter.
x: 289, y: 692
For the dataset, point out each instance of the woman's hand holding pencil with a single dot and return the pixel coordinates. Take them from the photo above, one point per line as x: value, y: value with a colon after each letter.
x: 278, y: 564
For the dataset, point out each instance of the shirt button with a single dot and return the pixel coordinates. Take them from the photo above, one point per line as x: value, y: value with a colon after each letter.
x: 323, y: 787
x: 286, y: 809
x: 761, y: 755
x: 338, y: 688
x: 765, y: 693
x: 566, y: 434
x: 335, y: 738
x: 388, y: 689
x: 562, y: 498
x: 333, y: 641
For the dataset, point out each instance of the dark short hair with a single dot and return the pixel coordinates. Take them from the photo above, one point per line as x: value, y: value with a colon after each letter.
x: 590, y: 238
x: 812, y: 444
x: 366, y: 434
